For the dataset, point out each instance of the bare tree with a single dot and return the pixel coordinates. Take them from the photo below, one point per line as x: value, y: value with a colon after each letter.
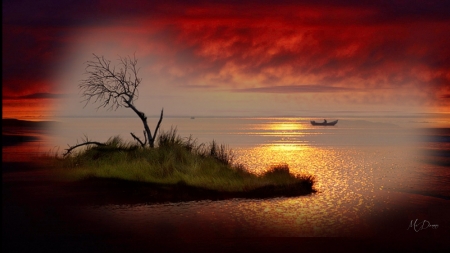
x: 113, y: 88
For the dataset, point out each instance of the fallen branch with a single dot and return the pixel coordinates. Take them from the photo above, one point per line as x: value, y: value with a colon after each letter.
x: 71, y: 148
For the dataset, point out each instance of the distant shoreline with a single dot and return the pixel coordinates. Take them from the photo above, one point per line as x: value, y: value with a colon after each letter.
x: 13, y: 139
x: 14, y: 123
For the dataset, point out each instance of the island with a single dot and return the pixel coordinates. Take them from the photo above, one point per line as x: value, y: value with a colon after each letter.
x: 177, y: 169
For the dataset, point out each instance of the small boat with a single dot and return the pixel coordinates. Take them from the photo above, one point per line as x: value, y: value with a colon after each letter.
x: 325, y: 123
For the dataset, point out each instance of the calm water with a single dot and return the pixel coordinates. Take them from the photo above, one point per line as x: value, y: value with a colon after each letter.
x: 365, y: 168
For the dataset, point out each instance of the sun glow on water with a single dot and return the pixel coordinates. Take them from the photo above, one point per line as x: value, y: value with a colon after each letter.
x: 285, y: 126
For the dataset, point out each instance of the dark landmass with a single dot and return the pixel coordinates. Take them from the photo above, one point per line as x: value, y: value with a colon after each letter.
x: 12, y: 139
x: 15, y: 131
x: 17, y: 123
x: 437, y: 134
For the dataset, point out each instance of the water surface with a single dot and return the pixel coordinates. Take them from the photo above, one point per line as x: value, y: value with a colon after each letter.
x: 366, y: 170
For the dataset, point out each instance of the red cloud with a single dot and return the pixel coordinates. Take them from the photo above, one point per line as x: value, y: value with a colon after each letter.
x: 294, y: 45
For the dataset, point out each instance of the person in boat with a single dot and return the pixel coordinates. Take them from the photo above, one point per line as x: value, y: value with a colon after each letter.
x: 324, y: 121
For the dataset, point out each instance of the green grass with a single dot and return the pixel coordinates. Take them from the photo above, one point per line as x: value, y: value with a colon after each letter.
x: 174, y: 160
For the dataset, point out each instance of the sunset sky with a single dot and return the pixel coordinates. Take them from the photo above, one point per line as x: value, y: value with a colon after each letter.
x: 231, y: 58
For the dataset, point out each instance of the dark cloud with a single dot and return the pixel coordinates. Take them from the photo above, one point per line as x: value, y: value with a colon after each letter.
x: 43, y: 96
x: 297, y: 89
x: 38, y: 96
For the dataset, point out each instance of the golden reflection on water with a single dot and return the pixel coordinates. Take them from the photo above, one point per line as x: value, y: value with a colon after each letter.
x: 283, y: 126
x: 345, y: 188
x: 348, y: 180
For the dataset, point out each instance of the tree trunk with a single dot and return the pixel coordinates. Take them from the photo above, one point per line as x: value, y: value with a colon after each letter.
x: 147, y: 133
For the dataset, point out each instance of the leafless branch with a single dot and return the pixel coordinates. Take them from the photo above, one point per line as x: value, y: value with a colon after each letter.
x: 116, y: 86
x: 86, y: 143
x: 110, y: 87
x: 139, y: 140
x: 159, y: 123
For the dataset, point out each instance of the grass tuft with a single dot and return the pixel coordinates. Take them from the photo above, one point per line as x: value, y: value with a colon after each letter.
x: 278, y: 170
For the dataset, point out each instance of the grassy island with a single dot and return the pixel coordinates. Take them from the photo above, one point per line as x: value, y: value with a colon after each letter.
x: 176, y: 170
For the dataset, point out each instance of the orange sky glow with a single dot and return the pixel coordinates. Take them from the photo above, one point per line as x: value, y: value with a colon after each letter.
x: 239, y: 59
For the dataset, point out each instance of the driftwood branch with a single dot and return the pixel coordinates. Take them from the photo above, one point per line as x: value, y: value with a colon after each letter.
x: 71, y: 148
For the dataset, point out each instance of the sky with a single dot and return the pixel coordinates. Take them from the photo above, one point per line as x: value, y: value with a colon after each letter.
x: 230, y: 58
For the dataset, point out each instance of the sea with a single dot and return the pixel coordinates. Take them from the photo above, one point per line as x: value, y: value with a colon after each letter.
x: 370, y: 171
